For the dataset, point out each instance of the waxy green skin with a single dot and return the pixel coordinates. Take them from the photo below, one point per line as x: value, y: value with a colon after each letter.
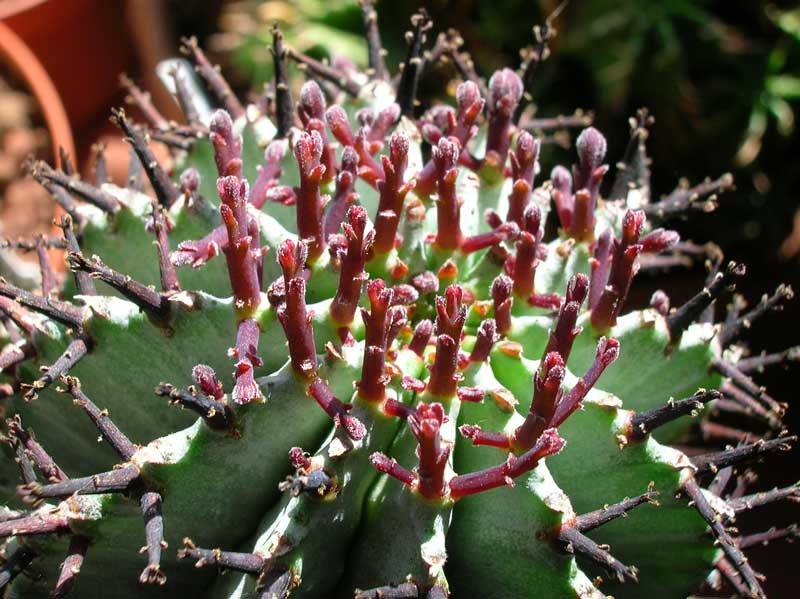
x: 221, y: 489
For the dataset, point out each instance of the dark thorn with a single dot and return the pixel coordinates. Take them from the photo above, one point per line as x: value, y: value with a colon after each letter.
x: 752, y: 405
x: 169, y: 277
x: 148, y: 299
x: 633, y: 171
x: 172, y: 140
x: 144, y: 102
x: 83, y: 281
x: 214, y: 80
x: 773, y: 534
x: 134, y: 177
x: 375, y: 49
x: 112, y: 435
x: 14, y: 565
x: 150, y: 503
x: 730, y: 332
x: 65, y: 162
x: 575, y: 542
x: 437, y: 591
x: 326, y: 72
x: 283, y: 96
x: 31, y: 245
x: 23, y: 461
x: 744, y: 382
x: 720, y: 481
x: 49, y: 282
x: 75, y: 351
x: 276, y: 585
x: 685, y: 198
x: 578, y: 119
x: 248, y: 563
x: 644, y: 423
x: 44, y: 173
x: 412, y: 67
x: 184, y: 97
x: 34, y: 524
x: 217, y: 414
x: 737, y: 408
x: 591, y: 520
x: 78, y: 546
x: 407, y: 590
x: 166, y: 192
x: 119, y: 480
x: 34, y: 451
x: 62, y: 312
x: 680, y: 318
x: 536, y: 56
x: 733, y: 553
x: 462, y: 61
x: 63, y: 199
x: 758, y: 363
x: 99, y: 164
x: 711, y: 462
x: 733, y: 578
x: 15, y: 355
x: 748, y: 502
x: 315, y: 483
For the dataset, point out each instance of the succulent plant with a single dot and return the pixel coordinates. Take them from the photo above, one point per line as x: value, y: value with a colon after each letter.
x: 486, y: 410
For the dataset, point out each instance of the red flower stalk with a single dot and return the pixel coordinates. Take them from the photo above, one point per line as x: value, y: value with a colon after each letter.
x: 292, y: 314
x: 484, y: 340
x: 344, y: 196
x: 227, y: 146
x: 376, y: 126
x: 607, y: 352
x: 546, y: 396
x: 422, y: 335
x: 374, y: 379
x: 562, y: 195
x: 505, y: 90
x: 242, y: 252
x: 425, y: 424
x: 393, y: 191
x: 600, y: 264
x: 526, y: 261
x: 352, y: 275
x: 245, y: 390
x: 481, y: 241
x: 308, y: 151
x: 563, y: 335
x: 460, y: 125
x: 523, y: 170
x: 659, y: 240
x: 370, y: 170
x: 502, y: 300
x: 311, y: 110
x: 624, y: 265
x: 198, y: 252
x: 549, y: 443
x: 451, y: 315
x: 448, y: 207
x: 269, y: 173
x: 207, y: 379
x: 588, y: 174
x: 333, y: 407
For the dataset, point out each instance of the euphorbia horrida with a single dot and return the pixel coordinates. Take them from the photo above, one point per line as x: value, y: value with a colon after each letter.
x: 465, y: 407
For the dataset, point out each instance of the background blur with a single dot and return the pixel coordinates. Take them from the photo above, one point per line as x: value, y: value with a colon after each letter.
x: 721, y: 77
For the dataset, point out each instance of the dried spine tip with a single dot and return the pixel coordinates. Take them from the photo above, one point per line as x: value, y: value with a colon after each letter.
x: 732, y: 552
x: 48, y: 176
x: 711, y: 462
x: 685, y: 198
x: 216, y: 414
x: 240, y: 562
x: 680, y: 318
x: 333, y: 407
x: 376, y: 341
x: 35, y: 524
x: 406, y: 93
x: 575, y: 542
x: 730, y: 332
x: 292, y: 314
x: 83, y: 281
x: 76, y: 350
x: 340, y: 78
x: 748, y: 502
x: 352, y: 259
x: 62, y: 312
x: 757, y: 363
x: 119, y: 480
x: 644, y: 423
x: 112, y: 435
x: 14, y: 564
x: 315, y: 483
x: 406, y: 590
x: 450, y: 318
x: 166, y: 191
x: 33, y: 450
x: 308, y: 151
x: 211, y: 75
x: 392, y: 190
x: 161, y: 226
x: 505, y: 91
x: 375, y: 50
x: 591, y: 520
x: 790, y: 533
x: 146, y: 298
x: 448, y: 206
x: 78, y: 546
x: 150, y: 503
